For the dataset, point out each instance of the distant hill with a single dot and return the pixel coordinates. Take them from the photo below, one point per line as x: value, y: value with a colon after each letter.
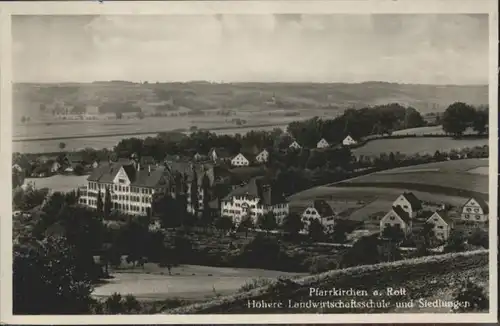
x: 240, y: 96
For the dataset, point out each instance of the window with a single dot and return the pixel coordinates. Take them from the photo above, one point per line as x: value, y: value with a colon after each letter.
x: 440, y: 227
x: 478, y: 217
x: 468, y: 209
x: 476, y: 210
x: 121, y: 180
x: 466, y: 216
x: 392, y: 218
x: 405, y: 206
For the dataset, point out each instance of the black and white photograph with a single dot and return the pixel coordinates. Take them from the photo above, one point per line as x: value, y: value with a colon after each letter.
x: 253, y: 164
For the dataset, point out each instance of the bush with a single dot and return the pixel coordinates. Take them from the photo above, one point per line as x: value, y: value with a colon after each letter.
x: 254, y: 284
x: 321, y: 264
x: 472, y: 294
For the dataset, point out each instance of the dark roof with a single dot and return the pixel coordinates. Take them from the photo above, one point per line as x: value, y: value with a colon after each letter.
x: 401, y: 213
x: 259, y: 188
x: 413, y: 200
x: 106, y: 173
x: 482, y: 204
x: 220, y: 152
x: 190, y: 169
x: 74, y: 157
x: 323, y: 208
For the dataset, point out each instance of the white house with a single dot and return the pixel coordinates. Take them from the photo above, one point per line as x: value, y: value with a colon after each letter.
x: 262, y: 157
x: 130, y: 186
x: 294, y: 145
x: 409, y: 203
x: 349, y: 141
x: 253, y: 200
x: 54, y: 167
x: 396, y: 216
x: 322, y: 143
x: 321, y: 211
x: 17, y: 167
x: 476, y: 210
x: 442, y: 225
x: 240, y: 160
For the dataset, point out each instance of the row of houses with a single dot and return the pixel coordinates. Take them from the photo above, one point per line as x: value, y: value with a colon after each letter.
x: 407, y: 213
x: 47, y: 165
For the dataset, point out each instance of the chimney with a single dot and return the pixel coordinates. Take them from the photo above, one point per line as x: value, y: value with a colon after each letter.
x: 138, y: 166
x: 149, y: 170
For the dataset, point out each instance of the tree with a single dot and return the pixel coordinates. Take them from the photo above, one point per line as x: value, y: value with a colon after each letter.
x: 340, y: 230
x: 114, y: 304
x: 479, y: 237
x: 47, y: 279
x: 456, y: 242
x: 393, y: 233
x: 107, y: 203
x: 99, y: 204
x: 42, y: 107
x: 140, y: 115
x: 79, y: 169
x: 23, y: 119
x: 316, y: 230
x: 118, y: 115
x: 472, y: 294
x: 364, y: 252
x: 293, y: 224
x: 62, y: 146
x: 267, y: 221
x: 246, y: 224
x: 457, y: 118
x: 224, y: 223
x: 131, y: 304
x: 194, y: 192
x: 480, y: 121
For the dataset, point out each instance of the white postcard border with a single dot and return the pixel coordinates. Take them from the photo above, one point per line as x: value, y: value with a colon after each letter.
x: 234, y: 7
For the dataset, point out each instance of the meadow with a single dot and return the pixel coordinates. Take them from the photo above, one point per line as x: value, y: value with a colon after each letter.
x: 421, y: 145
x: 365, y: 197
x: 189, y: 282
x: 437, y: 176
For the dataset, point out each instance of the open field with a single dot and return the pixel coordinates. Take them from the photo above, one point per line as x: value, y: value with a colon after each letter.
x: 360, y: 198
x: 423, y: 145
x: 359, y: 203
x: 50, y: 146
x: 187, y: 282
x: 62, y: 183
x: 428, y: 277
x: 449, y: 174
x: 246, y: 96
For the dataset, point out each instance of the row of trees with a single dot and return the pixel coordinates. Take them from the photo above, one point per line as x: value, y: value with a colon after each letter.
x: 460, y: 116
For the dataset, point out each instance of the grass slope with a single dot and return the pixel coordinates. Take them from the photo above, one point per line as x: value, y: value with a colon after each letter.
x: 449, y: 177
x: 425, y: 277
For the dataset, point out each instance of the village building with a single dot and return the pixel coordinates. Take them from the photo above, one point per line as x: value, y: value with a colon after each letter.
x: 475, y: 210
x: 322, y: 144
x: 262, y: 157
x: 218, y: 154
x: 396, y: 217
x: 131, y: 186
x: 240, y: 160
x: 254, y: 199
x: 294, y: 145
x: 55, y: 167
x: 321, y: 211
x: 442, y: 225
x: 409, y: 203
x: 349, y: 141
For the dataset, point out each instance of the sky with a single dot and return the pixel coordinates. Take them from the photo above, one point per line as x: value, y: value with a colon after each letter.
x: 403, y: 48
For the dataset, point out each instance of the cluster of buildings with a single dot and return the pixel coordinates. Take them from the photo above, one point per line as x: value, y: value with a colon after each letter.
x: 407, y: 213
x: 47, y: 165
